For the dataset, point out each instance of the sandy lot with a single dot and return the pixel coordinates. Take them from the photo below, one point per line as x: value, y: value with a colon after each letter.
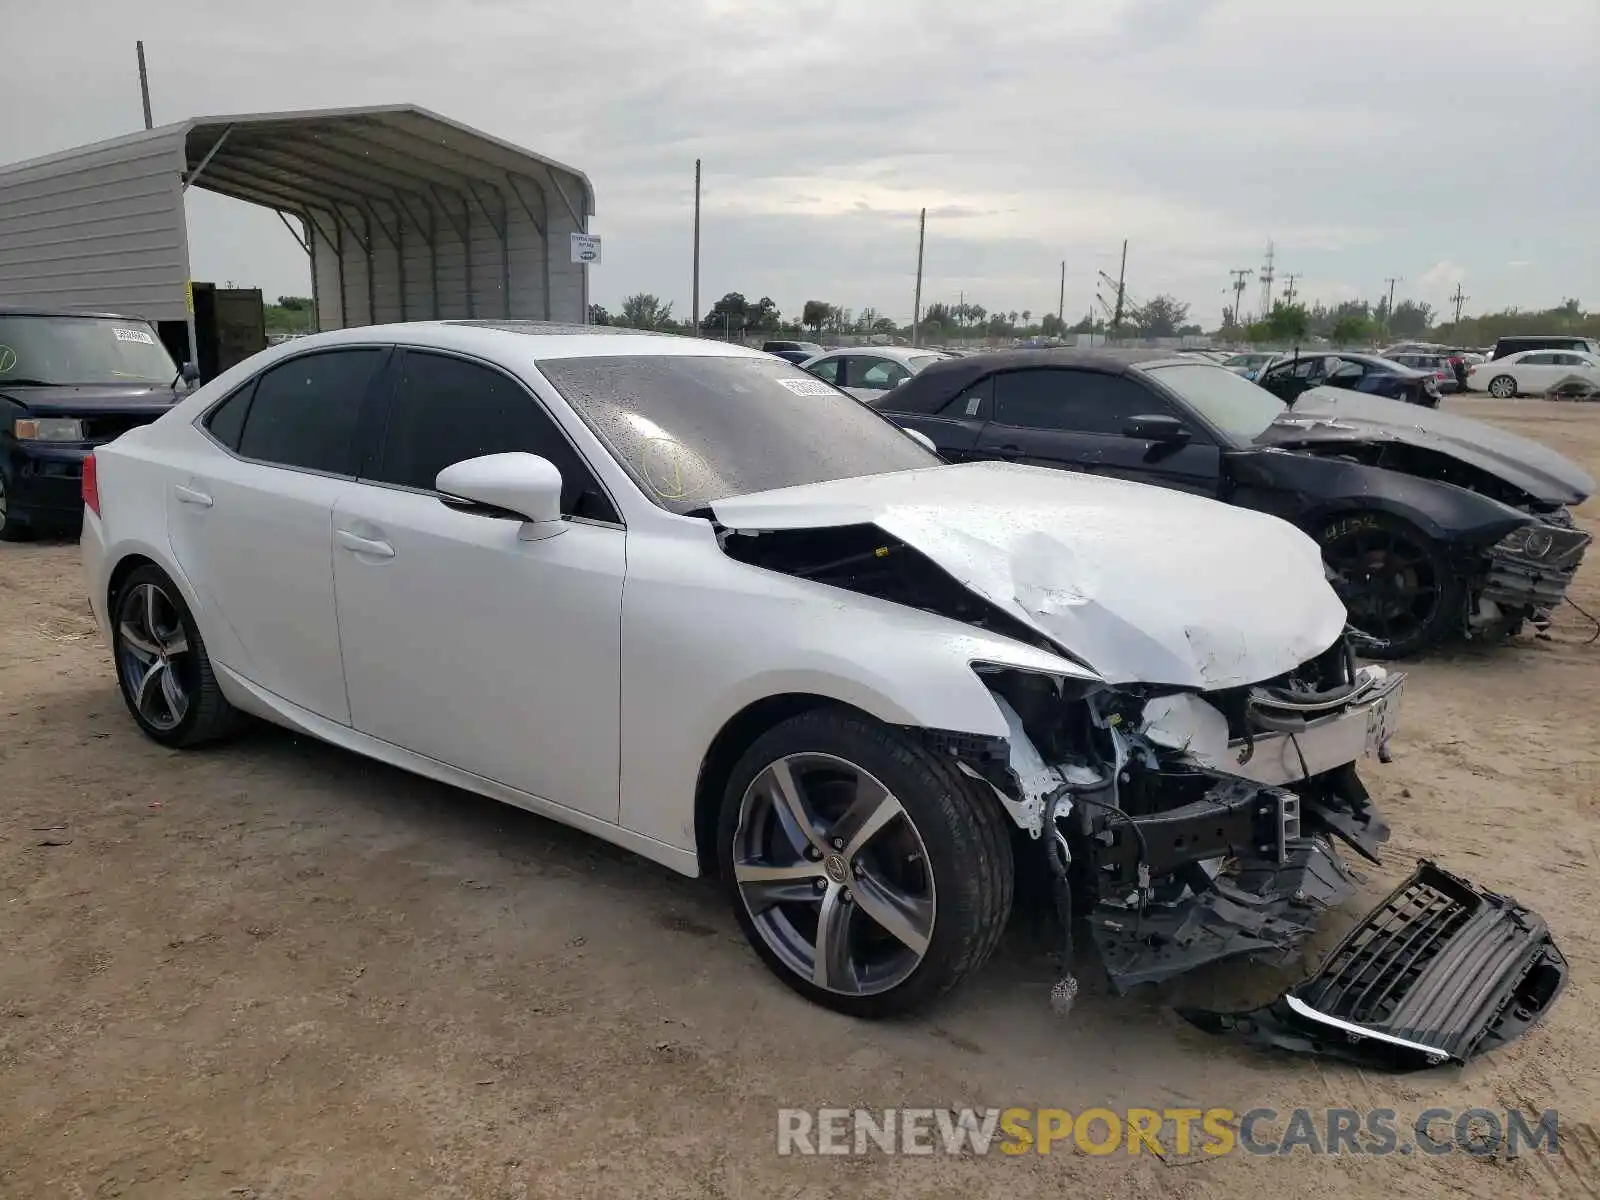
x: 276, y: 970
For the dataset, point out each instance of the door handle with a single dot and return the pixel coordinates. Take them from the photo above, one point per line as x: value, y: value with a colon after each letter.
x: 187, y: 495
x: 361, y: 545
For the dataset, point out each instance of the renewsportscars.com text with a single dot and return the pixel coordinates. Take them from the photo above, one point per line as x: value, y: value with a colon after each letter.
x: 1166, y: 1131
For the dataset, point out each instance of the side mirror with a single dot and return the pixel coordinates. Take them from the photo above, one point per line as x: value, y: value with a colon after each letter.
x: 515, y: 484
x: 919, y: 436
x: 1153, y: 428
x: 190, y: 371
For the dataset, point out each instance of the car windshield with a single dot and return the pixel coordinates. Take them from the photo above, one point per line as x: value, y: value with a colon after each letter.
x: 918, y: 361
x: 1233, y: 404
x: 81, y: 350
x: 693, y: 430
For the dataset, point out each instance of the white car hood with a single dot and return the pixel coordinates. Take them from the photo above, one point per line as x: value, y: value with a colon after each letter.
x: 1145, y: 584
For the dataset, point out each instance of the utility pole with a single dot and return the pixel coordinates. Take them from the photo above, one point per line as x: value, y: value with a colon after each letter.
x: 1458, y: 300
x: 1061, y: 302
x: 916, y: 300
x: 1289, y: 292
x: 694, y: 295
x: 1389, y: 312
x: 1239, y: 275
x: 144, y: 85
x: 1122, y: 279
x: 1267, y: 277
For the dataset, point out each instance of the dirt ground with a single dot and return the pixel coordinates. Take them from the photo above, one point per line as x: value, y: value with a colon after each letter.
x: 274, y: 969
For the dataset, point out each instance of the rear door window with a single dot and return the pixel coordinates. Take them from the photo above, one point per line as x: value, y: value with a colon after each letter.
x: 303, y: 412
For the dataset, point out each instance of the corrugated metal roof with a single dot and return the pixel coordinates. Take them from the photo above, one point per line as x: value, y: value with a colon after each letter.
x: 407, y: 213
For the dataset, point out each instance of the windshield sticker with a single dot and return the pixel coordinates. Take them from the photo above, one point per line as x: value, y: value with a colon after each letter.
x: 8, y: 359
x: 807, y: 387
x: 134, y: 335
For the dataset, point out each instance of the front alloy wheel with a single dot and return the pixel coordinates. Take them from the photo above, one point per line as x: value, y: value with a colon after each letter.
x: 834, y: 875
x: 867, y: 873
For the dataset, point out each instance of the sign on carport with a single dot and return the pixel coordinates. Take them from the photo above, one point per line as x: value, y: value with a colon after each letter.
x: 585, y: 248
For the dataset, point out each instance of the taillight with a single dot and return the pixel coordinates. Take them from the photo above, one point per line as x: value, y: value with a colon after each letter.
x: 91, y: 486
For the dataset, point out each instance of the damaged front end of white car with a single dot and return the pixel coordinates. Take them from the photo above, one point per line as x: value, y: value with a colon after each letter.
x: 1186, y: 828
x: 1193, y: 799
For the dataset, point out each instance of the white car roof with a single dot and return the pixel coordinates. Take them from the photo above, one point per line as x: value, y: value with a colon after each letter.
x: 528, y: 340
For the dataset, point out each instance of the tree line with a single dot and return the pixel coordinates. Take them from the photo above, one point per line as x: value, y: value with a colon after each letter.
x: 736, y: 316
x: 1358, y: 323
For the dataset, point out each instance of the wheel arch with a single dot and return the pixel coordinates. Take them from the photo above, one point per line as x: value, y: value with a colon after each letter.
x: 737, y: 735
x: 1457, y: 518
x: 125, y: 566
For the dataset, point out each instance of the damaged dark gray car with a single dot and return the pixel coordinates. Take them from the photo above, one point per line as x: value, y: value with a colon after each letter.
x: 1430, y: 523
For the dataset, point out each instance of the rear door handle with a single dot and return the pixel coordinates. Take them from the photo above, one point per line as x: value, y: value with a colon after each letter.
x: 361, y: 545
x: 188, y: 495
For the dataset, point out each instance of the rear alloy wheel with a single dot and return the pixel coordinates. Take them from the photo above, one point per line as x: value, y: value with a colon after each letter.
x: 1396, y: 583
x: 1502, y: 387
x: 867, y: 874
x: 162, y: 667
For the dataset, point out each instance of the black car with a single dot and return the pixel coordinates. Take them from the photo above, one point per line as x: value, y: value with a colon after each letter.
x: 1296, y: 373
x: 68, y: 383
x: 795, y: 352
x: 1544, y: 341
x: 1429, y: 522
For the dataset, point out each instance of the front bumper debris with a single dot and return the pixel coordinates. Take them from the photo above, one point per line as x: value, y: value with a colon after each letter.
x: 1251, y: 872
x: 1441, y: 970
x: 1265, y: 909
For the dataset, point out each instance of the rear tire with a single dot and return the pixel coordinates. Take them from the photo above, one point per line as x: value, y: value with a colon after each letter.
x: 1502, y: 387
x: 896, y: 916
x: 163, y: 670
x: 1402, y: 593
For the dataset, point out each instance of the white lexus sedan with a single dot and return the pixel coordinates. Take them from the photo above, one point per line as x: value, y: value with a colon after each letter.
x: 697, y: 602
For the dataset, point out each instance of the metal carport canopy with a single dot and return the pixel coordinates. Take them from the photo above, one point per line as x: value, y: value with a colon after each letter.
x: 405, y: 215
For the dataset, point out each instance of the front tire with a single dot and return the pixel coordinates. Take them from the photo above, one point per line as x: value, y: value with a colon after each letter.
x: 866, y: 872
x: 1502, y: 387
x: 12, y: 529
x: 1401, y: 591
x: 163, y: 670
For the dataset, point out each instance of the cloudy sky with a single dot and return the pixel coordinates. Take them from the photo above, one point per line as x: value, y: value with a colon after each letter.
x: 1435, y: 140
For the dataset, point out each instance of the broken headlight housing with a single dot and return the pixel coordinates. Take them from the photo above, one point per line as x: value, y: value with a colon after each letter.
x: 1538, y: 542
